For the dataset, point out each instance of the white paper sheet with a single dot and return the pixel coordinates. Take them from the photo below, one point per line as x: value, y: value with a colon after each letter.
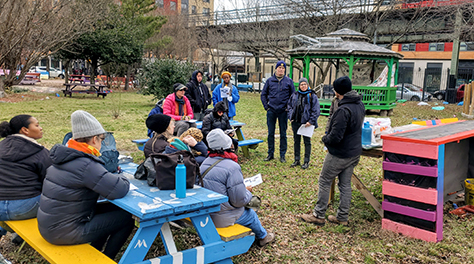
x: 306, y: 131
x: 132, y: 187
x: 253, y: 181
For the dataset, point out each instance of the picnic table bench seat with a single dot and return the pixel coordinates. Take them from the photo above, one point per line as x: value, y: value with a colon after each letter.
x: 230, y: 233
x: 70, y: 254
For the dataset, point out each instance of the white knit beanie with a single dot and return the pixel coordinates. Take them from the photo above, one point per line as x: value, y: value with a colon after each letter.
x: 85, y: 125
x: 218, y: 140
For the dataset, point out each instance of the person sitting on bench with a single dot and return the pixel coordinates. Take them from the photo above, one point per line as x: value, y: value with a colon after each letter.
x: 218, y: 119
x: 68, y: 213
x: 226, y: 178
x: 23, y: 164
x: 163, y: 128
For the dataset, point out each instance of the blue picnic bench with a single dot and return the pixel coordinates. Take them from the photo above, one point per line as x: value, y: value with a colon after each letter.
x: 244, y: 144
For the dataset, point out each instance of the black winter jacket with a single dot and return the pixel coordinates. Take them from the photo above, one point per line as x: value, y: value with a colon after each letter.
x: 213, y: 121
x: 310, y: 111
x: 23, y: 165
x: 70, y: 192
x: 198, y: 94
x: 343, y: 139
x: 156, y: 144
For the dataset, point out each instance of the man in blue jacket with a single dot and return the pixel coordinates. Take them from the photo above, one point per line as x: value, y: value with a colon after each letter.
x: 343, y: 140
x: 275, y: 96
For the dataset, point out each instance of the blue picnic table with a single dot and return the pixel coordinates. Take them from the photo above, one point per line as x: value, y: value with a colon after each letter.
x: 154, y: 209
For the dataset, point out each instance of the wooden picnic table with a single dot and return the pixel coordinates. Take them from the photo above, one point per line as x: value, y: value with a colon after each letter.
x: 91, y: 88
x: 154, y: 209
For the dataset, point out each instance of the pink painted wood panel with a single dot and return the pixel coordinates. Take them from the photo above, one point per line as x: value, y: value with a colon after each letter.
x: 410, y: 169
x: 410, y: 211
x: 412, y: 149
x: 429, y: 196
x: 409, y: 231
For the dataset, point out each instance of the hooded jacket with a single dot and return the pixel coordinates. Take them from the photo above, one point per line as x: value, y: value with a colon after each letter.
x: 226, y: 178
x: 23, y: 165
x: 213, y: 121
x: 311, y: 109
x: 70, y: 192
x: 198, y: 93
x: 276, y: 94
x: 344, y: 135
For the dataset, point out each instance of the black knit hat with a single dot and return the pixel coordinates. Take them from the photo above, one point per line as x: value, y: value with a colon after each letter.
x: 158, y: 123
x: 342, y: 85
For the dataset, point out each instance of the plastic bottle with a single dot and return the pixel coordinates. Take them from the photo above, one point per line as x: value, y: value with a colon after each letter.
x: 366, y: 134
x: 180, y: 178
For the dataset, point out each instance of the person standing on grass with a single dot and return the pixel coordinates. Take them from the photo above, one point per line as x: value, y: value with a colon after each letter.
x: 68, y: 212
x: 23, y: 164
x: 178, y: 107
x: 275, y: 96
x: 198, y: 95
x: 303, y: 109
x: 343, y: 141
x: 228, y: 93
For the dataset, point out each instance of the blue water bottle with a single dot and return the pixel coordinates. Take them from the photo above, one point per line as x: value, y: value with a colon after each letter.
x: 366, y: 134
x: 180, y: 178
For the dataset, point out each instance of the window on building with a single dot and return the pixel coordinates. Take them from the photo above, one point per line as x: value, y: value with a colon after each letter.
x: 466, y: 46
x: 434, y: 65
x: 159, y: 3
x: 206, y: 1
x: 409, y: 47
x: 206, y: 11
x: 172, y: 5
x: 193, y: 10
x: 436, y: 47
x: 184, y: 6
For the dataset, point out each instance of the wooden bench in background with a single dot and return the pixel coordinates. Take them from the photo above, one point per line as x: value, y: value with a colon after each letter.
x: 75, y: 254
x: 92, y: 89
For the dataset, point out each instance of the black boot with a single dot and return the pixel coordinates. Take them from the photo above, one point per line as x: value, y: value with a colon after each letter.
x: 268, y: 158
x: 294, y: 164
x: 305, y: 165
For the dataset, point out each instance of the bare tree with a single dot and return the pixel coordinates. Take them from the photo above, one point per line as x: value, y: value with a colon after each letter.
x: 32, y: 30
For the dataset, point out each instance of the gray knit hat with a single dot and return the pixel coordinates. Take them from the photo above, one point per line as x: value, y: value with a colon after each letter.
x: 218, y: 140
x: 304, y: 80
x: 85, y: 125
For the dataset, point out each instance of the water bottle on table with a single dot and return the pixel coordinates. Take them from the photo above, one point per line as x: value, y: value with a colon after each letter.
x: 180, y: 178
x: 366, y: 134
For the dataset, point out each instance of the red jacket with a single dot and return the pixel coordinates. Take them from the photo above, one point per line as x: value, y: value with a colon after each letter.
x: 170, y: 107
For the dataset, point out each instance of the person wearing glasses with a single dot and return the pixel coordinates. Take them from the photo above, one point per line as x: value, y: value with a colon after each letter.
x: 68, y: 213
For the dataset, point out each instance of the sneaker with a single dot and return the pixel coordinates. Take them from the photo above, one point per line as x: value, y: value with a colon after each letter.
x: 334, y: 220
x: 268, y: 158
x: 294, y: 164
x: 310, y: 218
x: 268, y: 239
x: 305, y: 165
x: 282, y: 160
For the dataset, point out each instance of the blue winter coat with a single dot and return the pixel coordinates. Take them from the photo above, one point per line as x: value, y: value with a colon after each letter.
x: 311, y: 110
x: 70, y: 191
x: 226, y: 178
x: 276, y: 94
x: 216, y: 97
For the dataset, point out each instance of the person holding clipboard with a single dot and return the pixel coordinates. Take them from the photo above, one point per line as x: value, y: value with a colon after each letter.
x: 303, y: 112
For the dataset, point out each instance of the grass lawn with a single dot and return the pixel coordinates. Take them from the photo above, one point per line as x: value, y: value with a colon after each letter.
x: 286, y: 192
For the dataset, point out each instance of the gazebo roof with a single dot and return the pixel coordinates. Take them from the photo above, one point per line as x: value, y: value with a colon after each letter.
x: 340, y: 43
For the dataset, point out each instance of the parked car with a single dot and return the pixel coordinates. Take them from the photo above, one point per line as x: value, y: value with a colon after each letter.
x: 53, y: 72
x: 412, y: 92
x: 441, y: 94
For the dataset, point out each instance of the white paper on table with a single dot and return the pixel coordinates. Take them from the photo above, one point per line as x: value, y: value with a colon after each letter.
x: 133, y: 187
x: 306, y: 131
x: 253, y: 181
x: 191, y: 121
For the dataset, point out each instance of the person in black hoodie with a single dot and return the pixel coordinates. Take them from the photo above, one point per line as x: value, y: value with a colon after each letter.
x: 198, y: 95
x: 343, y: 140
x: 69, y: 213
x: 218, y: 119
x: 23, y: 164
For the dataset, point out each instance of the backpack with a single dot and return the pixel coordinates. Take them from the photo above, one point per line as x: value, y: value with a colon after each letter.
x: 108, y: 151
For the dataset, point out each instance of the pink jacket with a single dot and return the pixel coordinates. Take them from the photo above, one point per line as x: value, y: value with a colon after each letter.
x: 170, y: 107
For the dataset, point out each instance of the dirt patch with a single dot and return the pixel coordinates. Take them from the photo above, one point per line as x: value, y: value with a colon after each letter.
x: 19, y: 97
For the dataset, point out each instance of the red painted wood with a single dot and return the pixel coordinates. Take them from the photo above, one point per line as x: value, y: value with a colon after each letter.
x: 410, y: 211
x: 429, y: 196
x: 422, y: 46
x: 448, y: 46
x: 412, y: 149
x: 411, y: 169
x: 409, y: 231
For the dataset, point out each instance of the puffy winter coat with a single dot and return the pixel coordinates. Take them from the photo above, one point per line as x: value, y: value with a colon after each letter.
x: 276, y: 94
x: 23, y: 165
x: 70, y: 192
x: 226, y: 178
x: 216, y: 97
x: 170, y: 105
x: 344, y: 135
x: 198, y: 94
x: 311, y: 109
x: 213, y: 121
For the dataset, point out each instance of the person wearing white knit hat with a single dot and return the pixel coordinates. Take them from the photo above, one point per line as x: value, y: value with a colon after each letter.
x: 69, y: 213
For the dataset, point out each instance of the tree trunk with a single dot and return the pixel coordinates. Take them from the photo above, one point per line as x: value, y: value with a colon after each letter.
x: 127, y: 79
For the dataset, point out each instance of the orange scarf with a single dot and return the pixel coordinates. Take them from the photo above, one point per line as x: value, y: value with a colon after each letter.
x: 83, y: 147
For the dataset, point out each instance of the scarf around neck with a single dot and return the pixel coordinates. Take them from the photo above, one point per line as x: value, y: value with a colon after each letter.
x: 83, y: 147
x: 225, y: 155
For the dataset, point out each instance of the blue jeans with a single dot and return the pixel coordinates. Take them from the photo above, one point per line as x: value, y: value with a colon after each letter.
x: 282, y: 118
x: 250, y: 219
x: 19, y: 209
x: 336, y: 167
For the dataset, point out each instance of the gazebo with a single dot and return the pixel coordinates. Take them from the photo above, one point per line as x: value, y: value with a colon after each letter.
x: 349, y: 49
